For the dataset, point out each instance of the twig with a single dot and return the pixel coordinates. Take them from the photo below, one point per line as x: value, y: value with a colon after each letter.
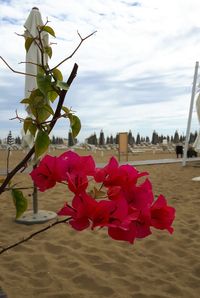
x: 29, y: 62
x: 16, y: 169
x: 4, y: 249
x: 17, y: 117
x: 7, y: 162
x: 15, y: 71
x: 49, y: 121
x: 70, y: 56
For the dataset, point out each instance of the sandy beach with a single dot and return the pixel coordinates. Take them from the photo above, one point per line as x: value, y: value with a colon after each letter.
x: 63, y: 263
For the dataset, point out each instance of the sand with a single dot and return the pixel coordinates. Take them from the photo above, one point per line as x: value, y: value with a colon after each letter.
x: 63, y: 263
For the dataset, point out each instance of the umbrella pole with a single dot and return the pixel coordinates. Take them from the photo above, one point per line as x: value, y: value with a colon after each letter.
x: 190, y: 113
x: 35, y: 194
x: 35, y: 199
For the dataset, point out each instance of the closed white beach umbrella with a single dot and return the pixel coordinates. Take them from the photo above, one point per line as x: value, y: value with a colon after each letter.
x: 197, y: 141
x: 34, y: 57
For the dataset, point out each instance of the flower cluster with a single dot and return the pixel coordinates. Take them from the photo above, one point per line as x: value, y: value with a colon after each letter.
x: 127, y: 208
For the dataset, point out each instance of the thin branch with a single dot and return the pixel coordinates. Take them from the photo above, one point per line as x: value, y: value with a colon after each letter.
x: 4, y: 249
x: 49, y: 121
x: 22, y: 35
x: 17, y: 117
x: 70, y: 56
x: 16, y: 169
x: 41, y: 45
x: 29, y: 62
x: 41, y: 48
x: 7, y: 162
x: 15, y: 71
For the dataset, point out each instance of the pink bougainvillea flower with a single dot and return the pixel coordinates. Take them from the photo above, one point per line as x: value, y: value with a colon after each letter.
x: 100, y: 215
x: 142, y: 223
x: 76, y: 170
x: 115, y: 192
x: 46, y: 174
x: 140, y: 196
x: 78, y: 222
x: 82, y: 165
x: 114, y: 175
x: 110, y: 168
x: 128, y: 210
x: 77, y: 183
x: 119, y: 233
x: 80, y: 211
x: 162, y: 215
x: 135, y: 224
x: 126, y: 176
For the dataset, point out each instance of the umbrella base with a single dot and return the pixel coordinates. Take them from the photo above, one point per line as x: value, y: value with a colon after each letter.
x: 196, y: 179
x: 35, y: 218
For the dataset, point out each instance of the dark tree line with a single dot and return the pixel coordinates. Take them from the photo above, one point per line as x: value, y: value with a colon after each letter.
x: 155, y: 139
x: 112, y: 140
x: 57, y: 141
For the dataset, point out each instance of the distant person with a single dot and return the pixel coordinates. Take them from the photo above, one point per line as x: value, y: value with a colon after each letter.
x: 179, y: 150
x: 191, y: 152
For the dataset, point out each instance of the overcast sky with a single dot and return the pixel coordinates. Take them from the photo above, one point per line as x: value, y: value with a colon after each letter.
x: 135, y: 73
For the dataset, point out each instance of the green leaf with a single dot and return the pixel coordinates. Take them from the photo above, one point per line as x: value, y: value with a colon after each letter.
x: 44, y: 83
x: 62, y: 85
x: 20, y: 202
x: 49, y: 109
x: 25, y: 100
x: 27, y: 123
x: 75, y: 125
x: 40, y: 69
x: 49, y: 30
x: 66, y: 110
x: 41, y: 143
x: 52, y: 95
x: 36, y: 93
x: 48, y: 51
x: 32, y: 128
x: 28, y: 43
x: 36, y: 105
x: 57, y: 74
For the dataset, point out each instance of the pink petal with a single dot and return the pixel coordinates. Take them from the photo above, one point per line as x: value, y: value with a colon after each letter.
x: 80, y: 223
x: 123, y: 235
x: 67, y: 210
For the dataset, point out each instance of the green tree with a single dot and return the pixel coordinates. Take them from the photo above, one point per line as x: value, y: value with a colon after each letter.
x: 101, y: 138
x: 176, y: 137
x: 10, y: 140
x: 130, y: 138
x: 116, y: 140
x: 111, y: 140
x: 107, y: 141
x: 92, y: 140
x: 53, y: 141
x: 70, y: 139
x: 18, y: 140
x: 154, y: 139
x: 138, y: 141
